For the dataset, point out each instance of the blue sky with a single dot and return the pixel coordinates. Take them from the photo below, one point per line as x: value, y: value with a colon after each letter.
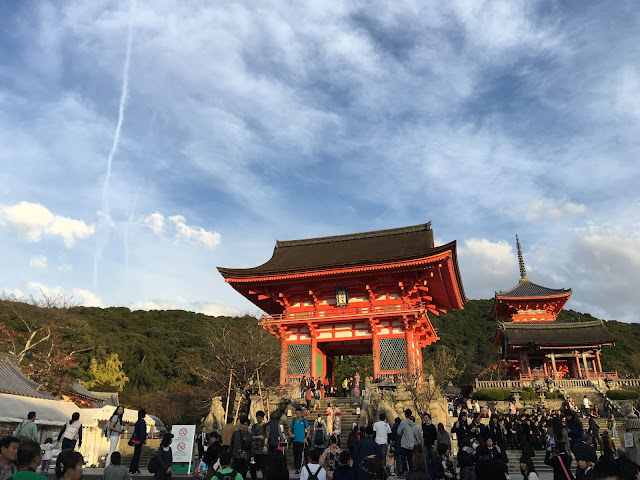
x: 143, y: 144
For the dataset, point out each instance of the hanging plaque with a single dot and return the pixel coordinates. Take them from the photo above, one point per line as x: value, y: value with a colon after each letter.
x: 342, y: 297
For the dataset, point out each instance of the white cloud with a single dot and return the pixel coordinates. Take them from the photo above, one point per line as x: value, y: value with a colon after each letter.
x: 154, y: 305
x: 78, y: 295
x: 487, y: 266
x: 605, y: 272
x: 14, y: 293
x: 86, y: 298
x: 215, y: 309
x: 495, y: 257
x: 155, y: 222
x: 208, y: 308
x: 48, y: 291
x: 33, y: 221
x: 197, y: 234
x: 38, y: 261
x: 542, y: 208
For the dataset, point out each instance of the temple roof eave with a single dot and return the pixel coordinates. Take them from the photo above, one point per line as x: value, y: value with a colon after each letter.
x: 250, y: 274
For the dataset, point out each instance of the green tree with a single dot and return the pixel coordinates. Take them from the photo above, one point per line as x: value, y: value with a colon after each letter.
x: 107, y: 376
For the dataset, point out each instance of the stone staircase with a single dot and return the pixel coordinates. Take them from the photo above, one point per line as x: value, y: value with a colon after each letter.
x: 145, y: 456
x: 348, y: 411
x: 538, y: 461
x: 577, y: 394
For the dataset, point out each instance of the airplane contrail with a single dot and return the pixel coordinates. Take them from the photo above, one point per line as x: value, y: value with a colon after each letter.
x: 102, y: 237
x: 124, y: 94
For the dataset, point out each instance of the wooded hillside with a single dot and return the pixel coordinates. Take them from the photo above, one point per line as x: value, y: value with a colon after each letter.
x: 162, y: 350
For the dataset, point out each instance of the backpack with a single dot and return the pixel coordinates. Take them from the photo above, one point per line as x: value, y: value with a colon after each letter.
x: 107, y: 430
x: 312, y: 476
x: 318, y: 437
x: 226, y: 476
x: 153, y: 466
x: 332, y: 461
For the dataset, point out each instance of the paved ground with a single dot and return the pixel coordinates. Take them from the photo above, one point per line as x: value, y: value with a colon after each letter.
x: 97, y: 472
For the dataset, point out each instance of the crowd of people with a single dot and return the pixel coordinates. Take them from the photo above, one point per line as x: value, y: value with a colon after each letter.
x: 21, y: 454
x: 410, y: 448
x: 314, y: 389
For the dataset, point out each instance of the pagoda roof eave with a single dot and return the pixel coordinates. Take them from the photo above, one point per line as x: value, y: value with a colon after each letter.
x: 495, y: 311
x: 549, y: 335
x: 528, y: 289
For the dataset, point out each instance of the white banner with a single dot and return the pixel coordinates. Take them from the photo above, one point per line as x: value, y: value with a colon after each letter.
x: 182, y: 445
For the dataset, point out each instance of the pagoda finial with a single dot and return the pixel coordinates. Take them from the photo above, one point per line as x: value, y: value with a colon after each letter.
x: 523, y: 271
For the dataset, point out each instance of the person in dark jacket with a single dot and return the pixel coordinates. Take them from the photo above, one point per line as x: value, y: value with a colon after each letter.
x: 139, y: 438
x: 488, y: 467
x: 240, y: 447
x: 438, y: 470
x: 344, y: 470
x: 164, y: 457
x: 202, y: 440
x: 277, y: 467
x: 212, y: 454
x: 419, y: 470
x: 466, y: 462
x: 583, y: 450
x: 495, y: 432
x: 364, y: 448
x: 575, y: 429
x: 561, y: 462
x: 461, y: 427
x: 395, y: 440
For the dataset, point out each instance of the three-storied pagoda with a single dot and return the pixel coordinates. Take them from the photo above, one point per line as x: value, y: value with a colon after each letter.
x: 535, y: 344
x: 363, y: 293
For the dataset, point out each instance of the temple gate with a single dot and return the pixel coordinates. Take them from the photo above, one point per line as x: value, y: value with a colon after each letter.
x: 363, y: 293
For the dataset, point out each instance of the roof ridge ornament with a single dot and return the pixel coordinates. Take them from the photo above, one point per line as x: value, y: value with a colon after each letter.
x: 523, y: 271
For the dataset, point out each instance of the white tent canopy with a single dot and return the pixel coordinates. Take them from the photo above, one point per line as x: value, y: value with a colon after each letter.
x: 14, y: 408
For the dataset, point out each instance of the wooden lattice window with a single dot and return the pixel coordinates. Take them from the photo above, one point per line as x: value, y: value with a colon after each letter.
x: 392, y: 354
x: 298, y: 359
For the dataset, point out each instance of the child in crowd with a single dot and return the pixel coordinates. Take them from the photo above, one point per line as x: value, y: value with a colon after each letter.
x: 47, y: 455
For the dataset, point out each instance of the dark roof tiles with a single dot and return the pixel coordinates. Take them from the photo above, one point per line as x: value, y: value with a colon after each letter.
x: 527, y: 289
x: 358, y: 249
x: 13, y: 381
x: 549, y: 334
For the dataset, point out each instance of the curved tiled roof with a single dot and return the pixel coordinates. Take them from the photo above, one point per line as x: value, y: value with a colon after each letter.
x: 351, y: 250
x: 106, y: 398
x: 550, y: 334
x: 527, y: 289
x: 13, y: 381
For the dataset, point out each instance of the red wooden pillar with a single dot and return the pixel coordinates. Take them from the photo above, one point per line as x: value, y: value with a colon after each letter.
x: 407, y: 348
x: 283, y: 361
x: 578, y: 369
x: 375, y: 349
x: 314, y: 356
x: 598, y: 360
